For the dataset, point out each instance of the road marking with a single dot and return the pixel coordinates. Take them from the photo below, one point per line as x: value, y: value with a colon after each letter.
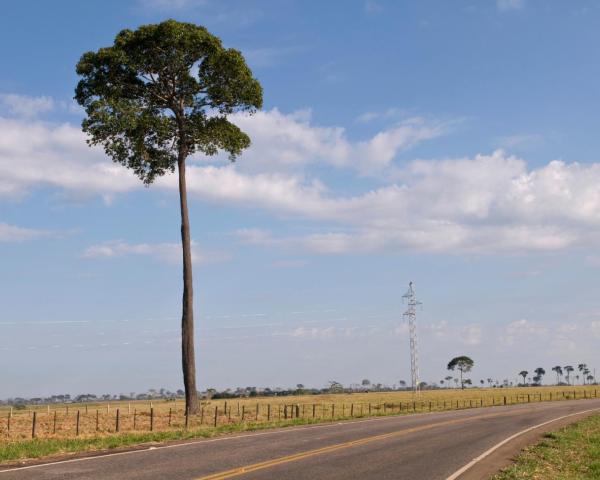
x: 234, y: 472
x: 511, y: 408
x: 485, y: 454
x: 235, y: 437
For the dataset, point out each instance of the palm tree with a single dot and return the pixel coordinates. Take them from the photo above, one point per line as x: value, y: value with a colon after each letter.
x: 582, y: 367
x: 539, y: 372
x: 569, y: 369
x: 559, y: 372
x: 523, y: 373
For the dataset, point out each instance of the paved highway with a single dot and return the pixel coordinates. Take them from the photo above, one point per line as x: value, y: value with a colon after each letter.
x: 422, y: 447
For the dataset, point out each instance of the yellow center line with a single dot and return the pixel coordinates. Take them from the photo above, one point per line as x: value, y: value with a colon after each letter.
x: 332, y: 448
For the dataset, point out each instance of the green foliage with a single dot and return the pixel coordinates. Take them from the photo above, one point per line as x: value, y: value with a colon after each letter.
x: 163, y: 92
x: 462, y: 363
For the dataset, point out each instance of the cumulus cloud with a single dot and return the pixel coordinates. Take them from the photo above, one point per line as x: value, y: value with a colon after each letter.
x: 487, y: 203
x: 37, y: 154
x: 164, y: 252
x: 25, y: 105
x: 290, y: 140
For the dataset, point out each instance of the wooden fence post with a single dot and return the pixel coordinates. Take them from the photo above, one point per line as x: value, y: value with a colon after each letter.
x: 152, y: 419
x: 268, y: 412
x: 33, y: 422
x: 244, y: 412
x: 216, y: 415
x: 77, y: 425
x: 170, y: 414
x: 201, y: 414
x: 116, y: 421
x: 134, y: 418
x: 98, y: 419
x: 8, y: 423
x: 314, y: 410
x: 54, y: 423
x: 256, y: 418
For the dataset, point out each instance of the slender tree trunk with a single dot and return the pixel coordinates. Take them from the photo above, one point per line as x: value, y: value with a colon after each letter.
x: 188, y: 357
x: 462, y: 385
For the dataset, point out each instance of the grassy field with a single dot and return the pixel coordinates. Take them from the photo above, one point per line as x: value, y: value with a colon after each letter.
x: 572, y: 453
x: 44, y: 430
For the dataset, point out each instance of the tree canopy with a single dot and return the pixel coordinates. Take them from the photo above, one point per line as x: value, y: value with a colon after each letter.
x: 462, y: 364
x: 163, y: 92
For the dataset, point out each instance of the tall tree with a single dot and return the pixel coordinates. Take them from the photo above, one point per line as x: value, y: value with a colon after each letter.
x: 559, y: 372
x: 582, y: 367
x: 539, y: 372
x: 569, y: 369
x: 524, y: 374
x: 463, y: 364
x: 156, y: 96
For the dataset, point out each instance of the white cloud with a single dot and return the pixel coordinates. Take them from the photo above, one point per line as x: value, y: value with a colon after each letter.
x: 12, y: 233
x: 164, y: 252
x: 504, y: 5
x: 37, y: 154
x: 25, y: 105
x: 486, y: 203
x: 281, y: 141
x: 522, y: 331
x: 471, y: 335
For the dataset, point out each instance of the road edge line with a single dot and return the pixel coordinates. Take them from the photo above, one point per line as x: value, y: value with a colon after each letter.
x: 491, y: 450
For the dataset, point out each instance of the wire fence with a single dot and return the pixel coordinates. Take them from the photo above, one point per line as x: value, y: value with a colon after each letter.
x: 77, y: 420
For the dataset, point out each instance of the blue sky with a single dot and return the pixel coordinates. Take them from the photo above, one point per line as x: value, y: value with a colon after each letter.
x: 453, y: 144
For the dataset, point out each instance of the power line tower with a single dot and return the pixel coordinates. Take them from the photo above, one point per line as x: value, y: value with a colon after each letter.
x: 411, y: 316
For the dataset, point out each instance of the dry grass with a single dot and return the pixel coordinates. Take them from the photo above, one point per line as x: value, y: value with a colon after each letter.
x: 100, y: 419
x: 144, y: 421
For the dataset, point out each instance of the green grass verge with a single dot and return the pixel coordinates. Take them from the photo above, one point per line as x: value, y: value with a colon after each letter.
x: 11, y: 451
x: 571, y: 453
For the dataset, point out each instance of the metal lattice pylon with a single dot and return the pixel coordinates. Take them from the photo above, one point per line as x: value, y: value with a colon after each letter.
x: 411, y: 316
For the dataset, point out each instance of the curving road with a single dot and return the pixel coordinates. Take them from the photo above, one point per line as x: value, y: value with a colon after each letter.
x: 425, y: 446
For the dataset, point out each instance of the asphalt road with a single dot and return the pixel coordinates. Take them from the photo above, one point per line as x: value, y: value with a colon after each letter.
x: 423, y: 447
